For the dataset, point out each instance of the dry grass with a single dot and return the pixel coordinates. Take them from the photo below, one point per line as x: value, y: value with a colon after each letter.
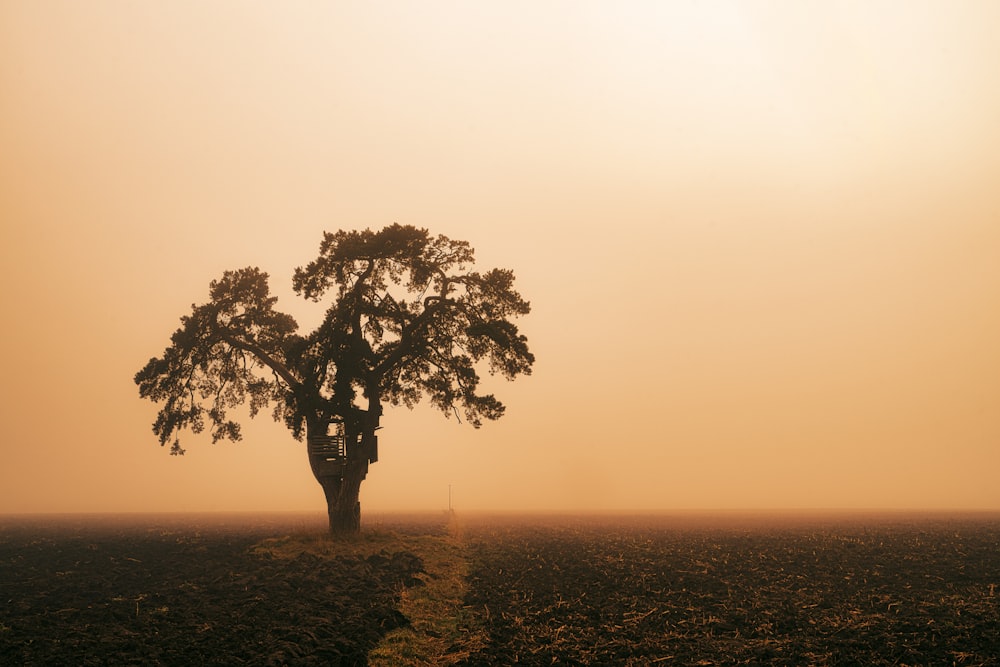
x: 442, y: 631
x: 320, y: 544
x: 439, y: 631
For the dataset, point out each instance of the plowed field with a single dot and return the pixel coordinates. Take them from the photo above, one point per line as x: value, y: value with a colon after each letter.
x: 703, y: 591
x: 626, y: 590
x: 188, y: 593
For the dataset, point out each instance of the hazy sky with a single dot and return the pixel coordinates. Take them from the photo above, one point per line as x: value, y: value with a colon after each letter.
x: 761, y: 241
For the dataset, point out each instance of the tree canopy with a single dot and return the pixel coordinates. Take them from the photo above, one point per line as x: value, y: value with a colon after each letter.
x: 408, y: 320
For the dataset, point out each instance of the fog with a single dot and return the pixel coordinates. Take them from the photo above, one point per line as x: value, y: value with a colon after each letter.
x: 760, y: 242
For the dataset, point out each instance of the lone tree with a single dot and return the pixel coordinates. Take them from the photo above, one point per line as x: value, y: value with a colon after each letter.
x: 408, y: 319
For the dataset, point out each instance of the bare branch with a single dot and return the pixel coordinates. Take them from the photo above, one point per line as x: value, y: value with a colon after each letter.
x: 265, y: 358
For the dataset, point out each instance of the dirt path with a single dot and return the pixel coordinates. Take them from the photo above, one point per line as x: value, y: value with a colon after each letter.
x: 442, y: 630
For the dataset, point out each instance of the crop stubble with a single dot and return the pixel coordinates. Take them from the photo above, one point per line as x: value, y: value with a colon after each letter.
x: 619, y: 590
x: 558, y: 590
x: 75, y: 593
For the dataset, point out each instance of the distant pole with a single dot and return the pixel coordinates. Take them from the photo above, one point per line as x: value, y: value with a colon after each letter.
x: 449, y: 498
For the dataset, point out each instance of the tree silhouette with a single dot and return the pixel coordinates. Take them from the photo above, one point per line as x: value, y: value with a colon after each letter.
x: 408, y: 320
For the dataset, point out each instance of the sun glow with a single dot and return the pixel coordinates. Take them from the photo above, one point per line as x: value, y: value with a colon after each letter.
x: 759, y: 240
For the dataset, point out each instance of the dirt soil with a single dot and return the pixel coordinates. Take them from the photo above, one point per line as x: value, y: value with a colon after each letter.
x: 73, y: 592
x: 647, y: 591
x: 607, y: 590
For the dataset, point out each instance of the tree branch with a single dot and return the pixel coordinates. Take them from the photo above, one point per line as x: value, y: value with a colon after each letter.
x: 264, y: 357
x: 409, y: 338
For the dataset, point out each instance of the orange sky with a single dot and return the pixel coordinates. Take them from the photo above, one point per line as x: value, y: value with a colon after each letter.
x: 761, y: 241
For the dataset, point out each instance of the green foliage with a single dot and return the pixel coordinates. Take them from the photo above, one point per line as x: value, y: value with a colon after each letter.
x: 408, y: 320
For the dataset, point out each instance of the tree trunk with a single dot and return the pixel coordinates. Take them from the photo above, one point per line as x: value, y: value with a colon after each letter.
x: 339, y: 464
x: 339, y: 461
x: 342, y: 504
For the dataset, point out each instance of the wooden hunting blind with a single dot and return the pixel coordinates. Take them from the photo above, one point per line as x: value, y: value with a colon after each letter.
x: 329, y: 452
